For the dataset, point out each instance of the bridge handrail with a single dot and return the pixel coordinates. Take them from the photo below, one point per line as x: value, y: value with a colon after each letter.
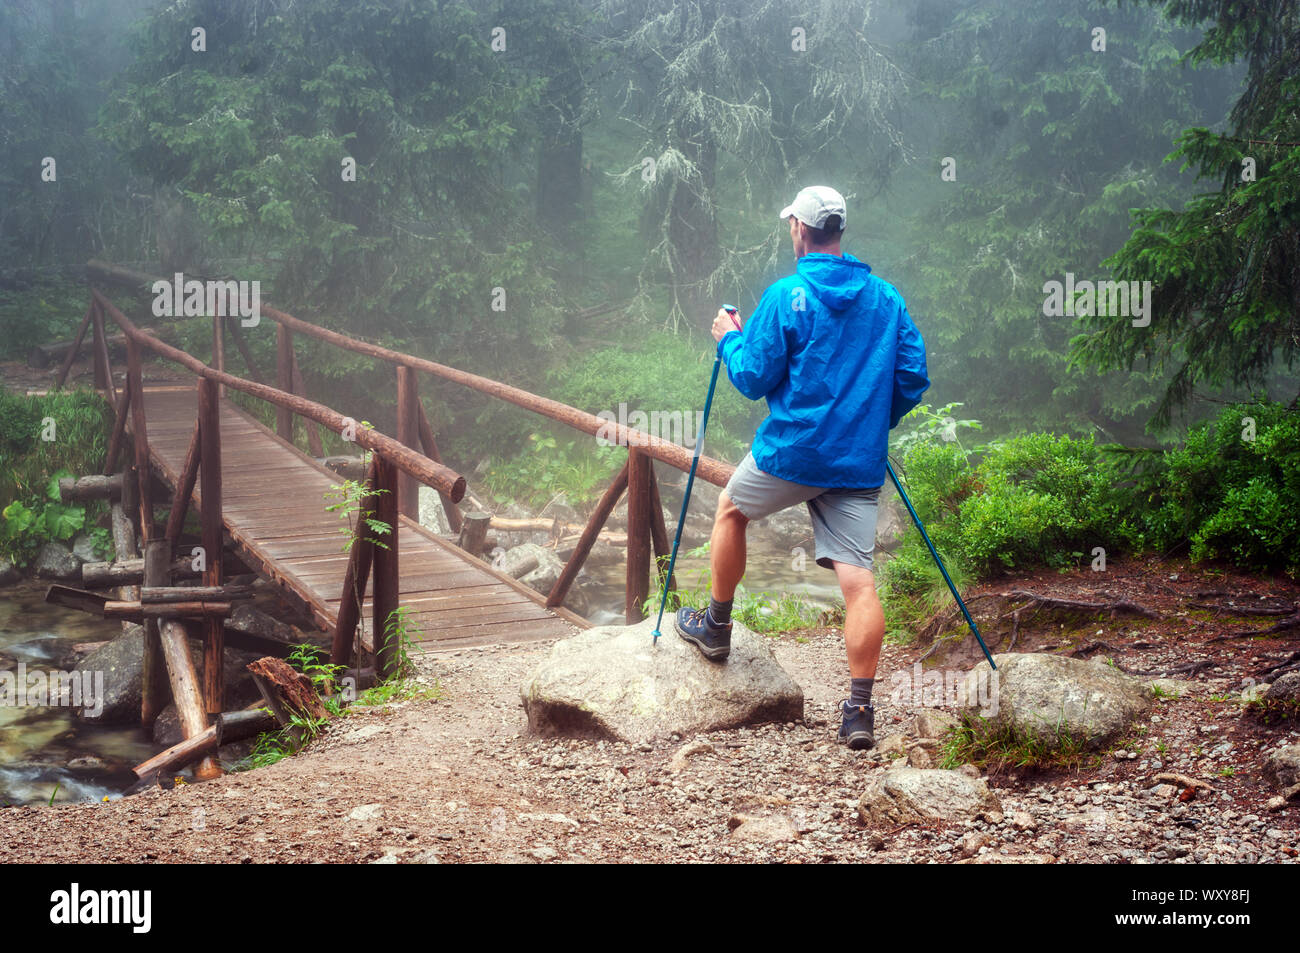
x: 675, y: 455
x: 428, y: 471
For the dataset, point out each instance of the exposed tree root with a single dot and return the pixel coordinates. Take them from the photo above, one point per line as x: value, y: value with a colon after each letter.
x: 1245, y: 610
x: 1286, y: 625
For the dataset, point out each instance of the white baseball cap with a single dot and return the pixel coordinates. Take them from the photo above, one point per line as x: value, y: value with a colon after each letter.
x: 815, y: 204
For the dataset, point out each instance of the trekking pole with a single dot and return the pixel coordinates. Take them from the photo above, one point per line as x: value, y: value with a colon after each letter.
x: 690, y: 481
x: 939, y: 562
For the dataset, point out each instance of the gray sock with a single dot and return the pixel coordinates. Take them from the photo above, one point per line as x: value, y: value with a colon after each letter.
x: 720, y: 612
x: 860, y: 692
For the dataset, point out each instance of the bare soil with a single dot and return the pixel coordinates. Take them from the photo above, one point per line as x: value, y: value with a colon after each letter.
x: 459, y: 779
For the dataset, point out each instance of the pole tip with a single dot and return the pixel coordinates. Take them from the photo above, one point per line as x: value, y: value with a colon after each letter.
x: 656, y: 633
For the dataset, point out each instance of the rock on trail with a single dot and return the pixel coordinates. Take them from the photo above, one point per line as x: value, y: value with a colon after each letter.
x: 1050, y: 697
x: 615, y: 682
x: 911, y: 795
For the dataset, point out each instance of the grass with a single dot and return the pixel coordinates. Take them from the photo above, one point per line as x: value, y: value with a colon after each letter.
x: 1269, y: 710
x: 399, y: 690
x: 998, y: 747
x: 769, y: 613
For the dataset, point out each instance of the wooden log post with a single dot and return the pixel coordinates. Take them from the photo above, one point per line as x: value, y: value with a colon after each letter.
x: 473, y: 532
x: 219, y: 346
x: 384, y: 565
x: 76, y: 347
x: 314, y: 443
x: 81, y: 489
x: 209, y: 433
x: 225, y: 729
x: 119, y: 428
x: 186, y: 690
x: 599, y: 515
x: 184, y: 486
x: 639, y: 476
x: 103, y: 365
x: 284, y: 380
x: 162, y: 595
x: 140, y: 437
x: 360, y: 555
x: 241, y: 344
x: 153, y: 692
x: 408, y: 431
x: 659, y: 532
x: 139, y: 611
x: 431, y: 451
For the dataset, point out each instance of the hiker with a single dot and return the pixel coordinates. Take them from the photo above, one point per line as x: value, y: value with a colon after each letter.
x: 840, y: 362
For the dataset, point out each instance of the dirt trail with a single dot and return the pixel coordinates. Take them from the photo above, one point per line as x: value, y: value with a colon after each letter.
x: 458, y: 779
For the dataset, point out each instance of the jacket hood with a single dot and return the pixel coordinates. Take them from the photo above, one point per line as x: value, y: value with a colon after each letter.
x: 837, y: 281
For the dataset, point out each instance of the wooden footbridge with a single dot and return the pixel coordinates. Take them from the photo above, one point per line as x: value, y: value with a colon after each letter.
x: 273, y: 506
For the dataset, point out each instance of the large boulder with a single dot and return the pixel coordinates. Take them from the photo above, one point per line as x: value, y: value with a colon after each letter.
x: 83, y: 547
x: 1284, y: 692
x: 432, y: 514
x: 9, y: 573
x: 248, y: 618
x: 614, y: 681
x: 56, y: 561
x: 910, y: 795
x: 533, y: 565
x: 1054, y: 699
x: 1283, y: 766
x: 122, y: 664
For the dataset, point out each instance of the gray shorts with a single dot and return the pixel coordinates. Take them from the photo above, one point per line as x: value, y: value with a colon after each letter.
x: 844, y: 521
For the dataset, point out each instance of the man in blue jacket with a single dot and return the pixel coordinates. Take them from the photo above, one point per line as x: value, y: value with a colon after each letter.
x: 833, y: 350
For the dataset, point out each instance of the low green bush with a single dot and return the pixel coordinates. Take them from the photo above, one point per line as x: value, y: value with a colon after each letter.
x: 43, y: 439
x: 1230, y: 492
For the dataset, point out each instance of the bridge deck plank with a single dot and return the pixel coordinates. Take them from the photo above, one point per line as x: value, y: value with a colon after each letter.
x: 274, y: 500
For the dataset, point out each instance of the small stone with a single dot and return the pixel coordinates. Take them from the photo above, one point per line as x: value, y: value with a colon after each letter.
x: 971, y: 843
x: 918, y: 757
x: 770, y: 829
x: 366, y: 812
x: 678, y: 762
x: 1023, y: 821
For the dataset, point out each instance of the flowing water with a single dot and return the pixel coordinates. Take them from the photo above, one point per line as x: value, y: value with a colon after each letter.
x: 767, y: 569
x: 45, y: 752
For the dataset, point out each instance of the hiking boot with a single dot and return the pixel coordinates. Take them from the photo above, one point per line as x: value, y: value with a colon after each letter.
x: 694, y: 625
x: 857, y: 726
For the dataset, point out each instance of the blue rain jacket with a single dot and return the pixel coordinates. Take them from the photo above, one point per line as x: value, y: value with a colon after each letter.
x: 837, y: 356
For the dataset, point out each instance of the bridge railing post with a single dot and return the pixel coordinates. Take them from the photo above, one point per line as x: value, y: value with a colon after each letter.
x: 430, y: 445
x: 590, y: 532
x: 99, y: 355
x: 384, y: 568
x: 284, y: 380
x: 76, y: 347
x: 219, y: 347
x: 639, y: 480
x: 408, y: 432
x: 361, y: 551
x: 209, y: 440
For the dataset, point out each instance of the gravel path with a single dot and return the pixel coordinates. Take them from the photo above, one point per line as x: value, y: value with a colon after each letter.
x: 458, y: 779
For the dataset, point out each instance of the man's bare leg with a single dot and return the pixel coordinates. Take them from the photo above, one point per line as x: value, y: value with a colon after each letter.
x: 710, y: 629
x: 864, y: 619
x: 727, y: 549
x: 864, y: 631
